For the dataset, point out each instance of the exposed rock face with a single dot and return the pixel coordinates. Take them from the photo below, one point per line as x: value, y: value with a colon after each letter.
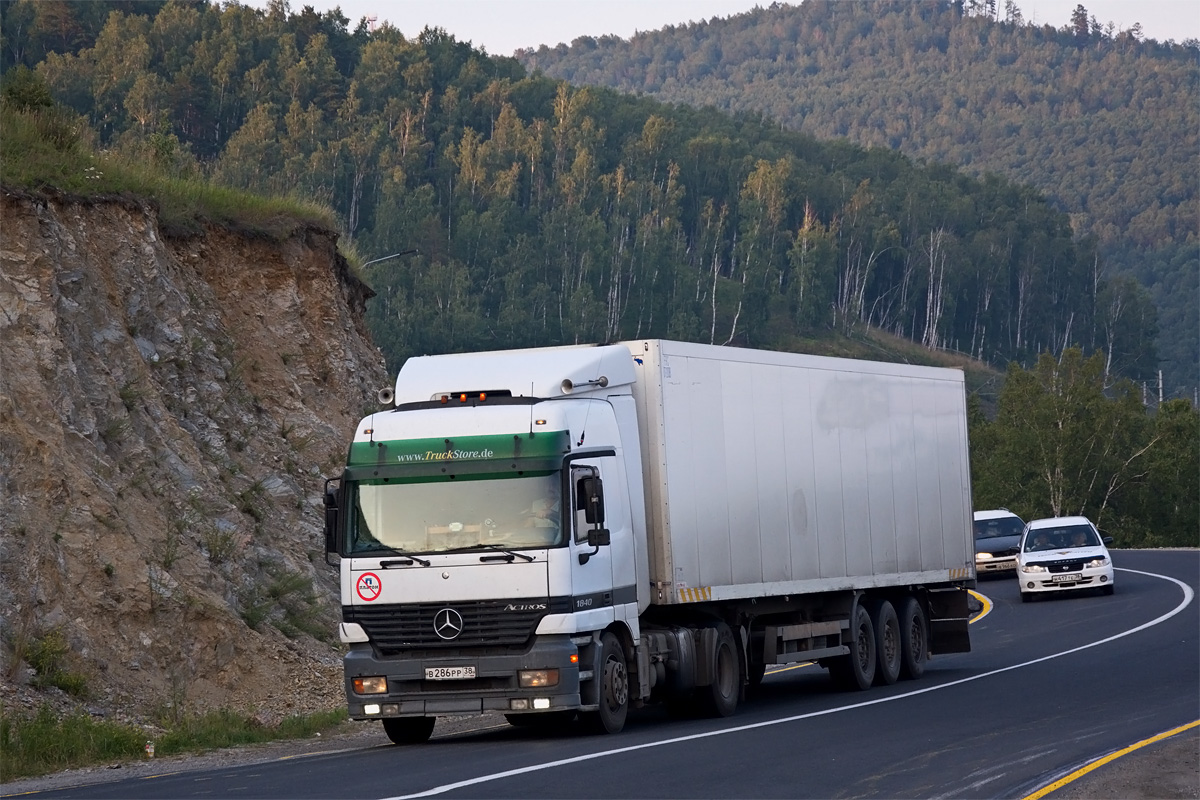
x: 168, y: 410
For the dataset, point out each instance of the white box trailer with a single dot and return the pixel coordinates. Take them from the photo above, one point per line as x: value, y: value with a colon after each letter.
x: 690, y: 514
x: 777, y: 473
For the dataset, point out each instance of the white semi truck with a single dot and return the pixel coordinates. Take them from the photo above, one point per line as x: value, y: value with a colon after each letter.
x: 570, y: 531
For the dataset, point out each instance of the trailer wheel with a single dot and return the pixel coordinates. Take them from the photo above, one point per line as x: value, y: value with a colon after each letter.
x: 857, y: 669
x: 613, y: 691
x: 887, y: 642
x: 914, y: 639
x: 720, y: 698
x: 408, y: 730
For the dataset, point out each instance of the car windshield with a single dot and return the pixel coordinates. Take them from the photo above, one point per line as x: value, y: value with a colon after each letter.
x: 1002, y: 526
x: 1061, y: 538
x: 436, y: 517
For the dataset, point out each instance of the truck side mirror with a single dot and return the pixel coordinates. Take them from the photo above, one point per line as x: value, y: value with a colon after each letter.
x: 599, y: 537
x: 331, y: 518
x: 591, y: 499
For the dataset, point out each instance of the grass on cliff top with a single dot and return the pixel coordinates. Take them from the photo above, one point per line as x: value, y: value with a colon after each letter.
x: 46, y: 743
x: 45, y: 150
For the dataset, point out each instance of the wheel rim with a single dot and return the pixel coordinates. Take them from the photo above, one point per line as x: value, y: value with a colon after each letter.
x: 916, y: 635
x: 864, y: 648
x: 891, y: 644
x: 616, y: 683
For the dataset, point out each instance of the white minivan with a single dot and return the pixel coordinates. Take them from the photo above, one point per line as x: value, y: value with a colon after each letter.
x: 1063, y: 554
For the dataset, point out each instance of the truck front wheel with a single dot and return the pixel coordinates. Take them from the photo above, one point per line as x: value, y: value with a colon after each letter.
x: 408, y: 730
x: 613, y: 690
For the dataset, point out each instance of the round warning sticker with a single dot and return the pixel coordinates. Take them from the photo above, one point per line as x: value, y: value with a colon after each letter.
x: 369, y: 586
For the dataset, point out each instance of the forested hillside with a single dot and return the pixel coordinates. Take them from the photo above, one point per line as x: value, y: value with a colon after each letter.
x: 1103, y: 121
x: 545, y: 214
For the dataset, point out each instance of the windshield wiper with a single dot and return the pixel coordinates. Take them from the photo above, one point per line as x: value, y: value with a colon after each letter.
x: 509, y: 555
x: 408, y: 559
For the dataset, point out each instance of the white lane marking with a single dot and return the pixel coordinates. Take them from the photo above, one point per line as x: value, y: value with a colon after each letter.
x: 1188, y: 595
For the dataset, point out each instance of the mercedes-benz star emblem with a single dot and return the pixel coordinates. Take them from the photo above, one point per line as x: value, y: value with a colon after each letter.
x: 447, y: 623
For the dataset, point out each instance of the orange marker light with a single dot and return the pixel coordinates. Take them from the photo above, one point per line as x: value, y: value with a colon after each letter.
x: 574, y: 658
x: 462, y: 398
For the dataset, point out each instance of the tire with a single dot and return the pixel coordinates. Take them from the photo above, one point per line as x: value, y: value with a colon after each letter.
x: 856, y: 670
x: 1109, y: 589
x: 914, y: 639
x: 1026, y: 597
x: 408, y: 730
x: 720, y: 698
x: 613, y: 690
x: 887, y: 643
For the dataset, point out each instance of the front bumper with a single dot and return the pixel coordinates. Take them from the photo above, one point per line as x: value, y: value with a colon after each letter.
x: 990, y: 565
x: 1088, y: 578
x: 495, y: 686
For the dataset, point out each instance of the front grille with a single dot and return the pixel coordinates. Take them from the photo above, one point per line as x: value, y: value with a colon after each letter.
x: 1070, y: 565
x: 410, y: 626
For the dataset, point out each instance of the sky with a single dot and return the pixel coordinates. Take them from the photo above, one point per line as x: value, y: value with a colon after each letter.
x: 503, y: 26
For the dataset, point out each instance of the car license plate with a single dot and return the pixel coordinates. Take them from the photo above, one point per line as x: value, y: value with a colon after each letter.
x: 1072, y: 578
x: 449, y: 673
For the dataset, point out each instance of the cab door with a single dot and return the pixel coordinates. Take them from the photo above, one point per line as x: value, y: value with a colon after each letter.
x: 591, y: 565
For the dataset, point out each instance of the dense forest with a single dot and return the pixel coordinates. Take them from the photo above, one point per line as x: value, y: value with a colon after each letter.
x: 489, y: 208
x: 1100, y: 119
x: 543, y: 213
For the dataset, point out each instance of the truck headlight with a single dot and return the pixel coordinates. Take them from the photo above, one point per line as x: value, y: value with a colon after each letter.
x: 374, y: 685
x: 536, y: 678
x: 1032, y: 568
x: 983, y: 556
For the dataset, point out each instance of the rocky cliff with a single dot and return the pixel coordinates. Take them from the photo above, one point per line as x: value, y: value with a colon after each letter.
x: 168, y: 411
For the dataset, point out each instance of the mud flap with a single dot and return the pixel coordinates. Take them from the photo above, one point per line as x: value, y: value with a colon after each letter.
x: 949, y: 616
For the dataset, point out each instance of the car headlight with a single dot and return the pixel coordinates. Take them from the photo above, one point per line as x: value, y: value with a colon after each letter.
x: 1032, y: 568
x: 1102, y: 561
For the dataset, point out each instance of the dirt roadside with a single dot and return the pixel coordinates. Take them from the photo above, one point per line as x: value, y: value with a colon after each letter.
x: 1165, y: 770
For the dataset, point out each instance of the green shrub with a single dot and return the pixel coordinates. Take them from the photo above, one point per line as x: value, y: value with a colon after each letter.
x: 47, y: 655
x: 43, y: 743
x: 46, y: 744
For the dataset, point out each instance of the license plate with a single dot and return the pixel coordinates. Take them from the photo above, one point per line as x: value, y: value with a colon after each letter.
x: 449, y: 673
x: 1073, y: 578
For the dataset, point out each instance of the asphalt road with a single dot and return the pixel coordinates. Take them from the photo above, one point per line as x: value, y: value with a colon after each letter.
x: 1048, y: 687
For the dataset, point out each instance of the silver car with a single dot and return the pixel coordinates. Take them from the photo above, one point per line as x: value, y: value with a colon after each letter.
x: 997, y: 540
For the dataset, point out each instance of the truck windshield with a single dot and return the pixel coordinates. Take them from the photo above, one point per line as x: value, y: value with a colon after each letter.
x: 435, y: 517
